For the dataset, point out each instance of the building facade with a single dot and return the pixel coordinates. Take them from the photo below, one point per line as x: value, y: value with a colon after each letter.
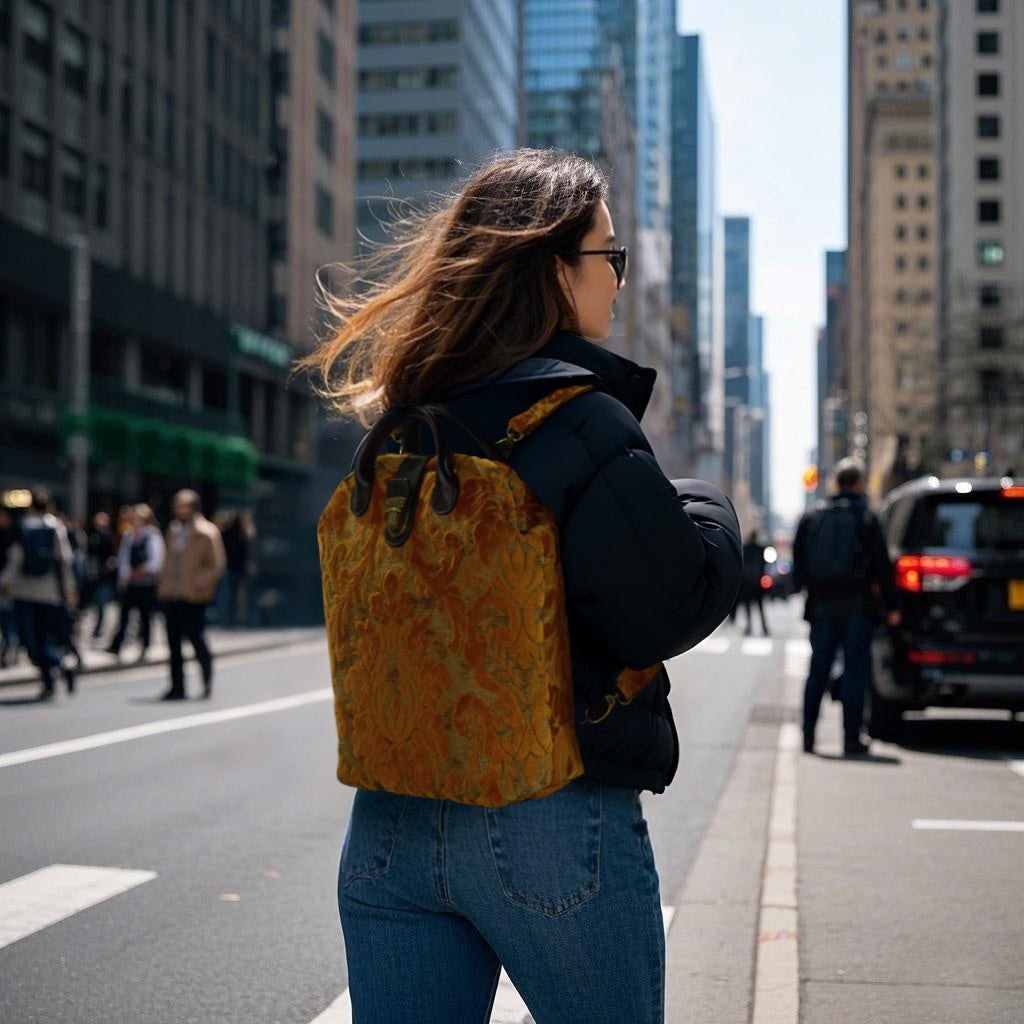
x: 699, y: 362
x: 833, y: 395
x: 438, y: 94
x: 137, y: 134
x: 892, y: 254
x: 980, y: 422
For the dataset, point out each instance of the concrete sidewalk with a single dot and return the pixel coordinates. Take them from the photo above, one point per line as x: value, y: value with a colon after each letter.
x: 814, y: 900
x: 221, y: 641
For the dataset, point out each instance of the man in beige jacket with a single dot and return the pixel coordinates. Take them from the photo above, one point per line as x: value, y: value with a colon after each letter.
x: 193, y: 565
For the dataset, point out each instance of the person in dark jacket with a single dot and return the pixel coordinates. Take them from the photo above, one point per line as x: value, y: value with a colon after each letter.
x: 840, y: 558
x: 488, y: 309
x: 751, y: 591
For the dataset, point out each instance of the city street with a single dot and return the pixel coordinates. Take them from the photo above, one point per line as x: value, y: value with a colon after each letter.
x: 211, y: 833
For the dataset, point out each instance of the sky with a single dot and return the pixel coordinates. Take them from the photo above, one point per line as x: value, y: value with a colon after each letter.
x: 777, y: 75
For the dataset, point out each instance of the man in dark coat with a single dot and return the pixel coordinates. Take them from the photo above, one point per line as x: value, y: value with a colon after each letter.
x: 840, y: 558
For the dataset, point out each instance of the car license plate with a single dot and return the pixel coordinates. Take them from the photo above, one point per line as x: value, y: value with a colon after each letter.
x: 1015, y: 596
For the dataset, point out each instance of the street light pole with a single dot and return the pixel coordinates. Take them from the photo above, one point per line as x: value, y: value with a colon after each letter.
x: 78, y: 443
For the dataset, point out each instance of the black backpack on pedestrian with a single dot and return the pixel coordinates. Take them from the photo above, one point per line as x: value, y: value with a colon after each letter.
x: 835, y: 553
x: 39, y: 546
x: 139, y: 551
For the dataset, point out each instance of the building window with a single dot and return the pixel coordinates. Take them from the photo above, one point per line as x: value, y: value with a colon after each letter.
x: 987, y: 84
x: 991, y: 254
x: 881, y: 61
x: 325, y: 211
x: 987, y: 6
x: 37, y: 26
x: 924, y: 296
x: 169, y: 129
x: 923, y: 202
x: 211, y: 159
x: 993, y: 385
x: 988, y: 211
x: 901, y: 201
x: 922, y: 262
x: 211, y: 62
x: 902, y: 33
x: 325, y: 133
x: 101, y: 197
x: 72, y: 179
x: 5, y: 141
x: 75, y: 53
x: 325, y: 57
x: 386, y: 79
x: 987, y: 42
x: 409, y: 32
x: 901, y: 263
x: 901, y: 170
x: 988, y: 168
x: 990, y: 337
x: 988, y: 126
x: 36, y: 160
x: 989, y: 297
x: 924, y: 33
x: 901, y: 296
x: 103, y: 80
x: 127, y: 104
x: 279, y: 10
x: 922, y: 172
x: 922, y: 232
x: 903, y: 61
x: 149, y: 116
x: 901, y: 232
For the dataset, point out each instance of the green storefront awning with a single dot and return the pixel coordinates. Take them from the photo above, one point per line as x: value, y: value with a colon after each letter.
x: 142, y: 442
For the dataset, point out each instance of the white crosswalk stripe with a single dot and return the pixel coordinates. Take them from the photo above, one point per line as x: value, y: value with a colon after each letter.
x: 35, y: 901
x: 756, y: 646
x: 508, y: 1008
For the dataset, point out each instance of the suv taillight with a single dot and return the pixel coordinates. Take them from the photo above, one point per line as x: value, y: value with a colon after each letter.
x: 932, y: 572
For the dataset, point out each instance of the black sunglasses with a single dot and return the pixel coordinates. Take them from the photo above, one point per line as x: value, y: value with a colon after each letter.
x: 616, y: 257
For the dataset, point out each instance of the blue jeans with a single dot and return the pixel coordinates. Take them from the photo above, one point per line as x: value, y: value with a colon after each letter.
x: 435, y: 897
x: 828, y: 633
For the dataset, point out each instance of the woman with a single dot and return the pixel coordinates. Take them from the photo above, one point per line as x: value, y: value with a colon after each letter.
x: 487, y: 305
x: 140, y: 558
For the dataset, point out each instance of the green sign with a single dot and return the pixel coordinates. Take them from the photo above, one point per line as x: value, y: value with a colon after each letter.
x: 260, y: 346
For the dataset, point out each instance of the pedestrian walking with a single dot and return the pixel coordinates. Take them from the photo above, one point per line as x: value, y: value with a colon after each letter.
x: 39, y: 577
x: 140, y: 560
x: 193, y: 567
x: 492, y: 305
x: 8, y: 632
x: 751, y: 591
x: 100, y: 570
x: 238, y: 535
x: 840, y: 558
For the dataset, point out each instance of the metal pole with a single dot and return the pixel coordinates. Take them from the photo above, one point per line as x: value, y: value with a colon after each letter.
x: 78, y: 444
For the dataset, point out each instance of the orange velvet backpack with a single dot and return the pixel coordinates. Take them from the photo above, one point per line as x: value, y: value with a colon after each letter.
x: 446, y: 622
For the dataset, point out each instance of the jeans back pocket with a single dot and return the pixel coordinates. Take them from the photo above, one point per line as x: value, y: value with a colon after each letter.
x: 372, y: 835
x: 547, y: 852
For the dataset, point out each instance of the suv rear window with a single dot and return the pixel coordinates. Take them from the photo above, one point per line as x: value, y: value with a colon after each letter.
x: 968, y: 522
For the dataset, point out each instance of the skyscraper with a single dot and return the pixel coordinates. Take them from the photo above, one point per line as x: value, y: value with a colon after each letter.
x: 438, y: 87
x: 980, y: 427
x: 698, y: 361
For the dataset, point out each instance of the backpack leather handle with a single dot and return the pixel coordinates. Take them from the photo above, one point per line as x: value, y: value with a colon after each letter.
x: 446, y: 488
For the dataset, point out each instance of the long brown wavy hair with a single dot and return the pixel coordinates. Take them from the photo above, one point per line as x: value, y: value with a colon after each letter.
x: 465, y: 288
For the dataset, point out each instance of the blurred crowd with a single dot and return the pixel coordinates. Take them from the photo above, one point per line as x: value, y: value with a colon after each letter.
x: 106, y: 577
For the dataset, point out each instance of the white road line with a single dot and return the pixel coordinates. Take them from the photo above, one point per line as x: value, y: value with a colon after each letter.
x: 1017, y: 766
x: 938, y: 825
x: 44, y: 897
x: 105, y: 739
x: 777, y: 976
x: 798, y: 649
x: 508, y: 1008
x: 757, y: 646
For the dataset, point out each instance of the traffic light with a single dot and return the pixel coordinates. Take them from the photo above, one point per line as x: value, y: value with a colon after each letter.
x: 810, y: 477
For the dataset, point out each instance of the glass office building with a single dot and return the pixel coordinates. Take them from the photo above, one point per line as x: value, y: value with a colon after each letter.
x: 438, y: 93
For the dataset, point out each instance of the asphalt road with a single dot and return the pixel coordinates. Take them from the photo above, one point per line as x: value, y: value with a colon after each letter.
x: 239, y: 821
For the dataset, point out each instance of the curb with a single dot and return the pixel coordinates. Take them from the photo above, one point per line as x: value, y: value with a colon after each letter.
x: 27, y: 674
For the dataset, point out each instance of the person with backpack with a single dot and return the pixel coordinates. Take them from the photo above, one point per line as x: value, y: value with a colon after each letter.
x: 523, y: 516
x: 140, y: 559
x: 40, y: 578
x: 840, y: 558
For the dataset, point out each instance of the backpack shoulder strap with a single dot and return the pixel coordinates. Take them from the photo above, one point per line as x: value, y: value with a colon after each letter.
x: 521, y: 426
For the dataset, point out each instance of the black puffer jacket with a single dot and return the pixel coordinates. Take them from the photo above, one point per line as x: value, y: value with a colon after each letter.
x: 651, y: 566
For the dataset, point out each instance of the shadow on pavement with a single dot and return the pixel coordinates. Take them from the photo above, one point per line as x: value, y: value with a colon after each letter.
x: 881, y: 759
x: 982, y: 738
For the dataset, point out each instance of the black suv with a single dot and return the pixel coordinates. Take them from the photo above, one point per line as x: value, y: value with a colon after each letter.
x: 957, y: 547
